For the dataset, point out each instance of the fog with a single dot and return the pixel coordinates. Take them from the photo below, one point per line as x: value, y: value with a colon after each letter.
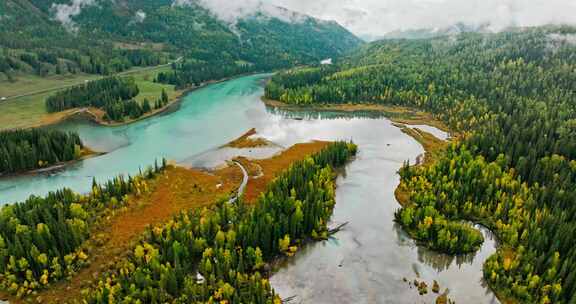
x: 65, y: 12
x: 231, y: 10
x: 373, y: 18
x: 377, y: 17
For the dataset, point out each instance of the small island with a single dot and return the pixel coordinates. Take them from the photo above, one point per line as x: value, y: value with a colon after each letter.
x: 249, y: 140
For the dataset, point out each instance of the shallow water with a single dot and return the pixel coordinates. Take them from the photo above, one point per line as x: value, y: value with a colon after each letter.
x: 364, y: 263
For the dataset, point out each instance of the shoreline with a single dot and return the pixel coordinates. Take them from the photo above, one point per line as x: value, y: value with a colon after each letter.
x: 246, y: 141
x: 172, y: 104
x: 87, y: 153
x: 231, y: 178
x: 88, y: 112
x: 431, y: 148
x: 396, y: 114
x: 429, y: 143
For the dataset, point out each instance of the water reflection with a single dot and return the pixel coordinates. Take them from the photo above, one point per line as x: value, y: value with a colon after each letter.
x: 438, y: 261
x: 218, y: 157
x: 370, y: 258
x: 313, y: 115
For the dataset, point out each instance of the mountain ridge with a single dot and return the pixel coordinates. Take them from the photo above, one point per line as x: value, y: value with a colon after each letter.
x: 108, y: 36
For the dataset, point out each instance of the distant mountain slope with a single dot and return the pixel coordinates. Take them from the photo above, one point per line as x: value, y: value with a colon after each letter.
x: 425, y: 33
x: 106, y: 36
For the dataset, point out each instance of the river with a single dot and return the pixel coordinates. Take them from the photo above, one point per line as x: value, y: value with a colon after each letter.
x: 364, y: 263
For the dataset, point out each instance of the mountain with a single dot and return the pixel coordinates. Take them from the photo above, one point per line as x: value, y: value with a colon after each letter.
x: 425, y: 33
x: 107, y: 36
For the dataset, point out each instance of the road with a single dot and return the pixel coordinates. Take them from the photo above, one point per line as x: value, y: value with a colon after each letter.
x: 242, y: 186
x: 81, y: 82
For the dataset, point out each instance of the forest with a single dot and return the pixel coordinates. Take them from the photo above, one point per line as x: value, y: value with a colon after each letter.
x: 33, y: 43
x: 194, y: 74
x: 44, y: 239
x: 98, y: 94
x: 25, y: 150
x: 221, y: 254
x: 109, y: 37
x: 510, y: 98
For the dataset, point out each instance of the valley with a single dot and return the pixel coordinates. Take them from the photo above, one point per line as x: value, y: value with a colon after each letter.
x: 208, y: 151
x: 378, y: 157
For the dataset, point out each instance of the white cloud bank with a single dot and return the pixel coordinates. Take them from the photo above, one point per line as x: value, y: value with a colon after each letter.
x: 140, y: 16
x: 65, y: 12
x: 231, y: 10
x: 377, y: 17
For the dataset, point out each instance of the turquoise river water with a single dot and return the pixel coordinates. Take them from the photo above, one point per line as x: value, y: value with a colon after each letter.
x: 364, y: 263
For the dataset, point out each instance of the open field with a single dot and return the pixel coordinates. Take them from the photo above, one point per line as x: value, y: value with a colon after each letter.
x: 151, y: 90
x: 23, y: 112
x: 27, y: 84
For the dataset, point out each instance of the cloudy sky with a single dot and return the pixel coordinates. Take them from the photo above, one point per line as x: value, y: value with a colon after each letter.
x: 375, y: 17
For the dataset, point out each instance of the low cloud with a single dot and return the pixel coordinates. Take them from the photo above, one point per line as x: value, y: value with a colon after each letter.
x: 140, y: 16
x: 563, y: 38
x: 231, y: 11
x: 377, y: 17
x: 65, y: 12
x: 373, y: 18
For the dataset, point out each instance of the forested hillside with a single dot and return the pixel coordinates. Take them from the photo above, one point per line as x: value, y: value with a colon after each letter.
x: 33, y: 42
x: 104, y: 37
x: 511, y: 96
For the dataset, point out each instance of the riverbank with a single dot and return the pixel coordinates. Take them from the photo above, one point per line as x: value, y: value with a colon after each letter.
x: 409, y: 122
x: 85, y: 153
x: 433, y: 148
x: 249, y: 140
x: 397, y: 114
x: 97, y: 115
x: 29, y: 111
x: 265, y: 170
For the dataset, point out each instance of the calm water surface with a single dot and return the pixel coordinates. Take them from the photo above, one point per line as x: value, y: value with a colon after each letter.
x: 364, y: 263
